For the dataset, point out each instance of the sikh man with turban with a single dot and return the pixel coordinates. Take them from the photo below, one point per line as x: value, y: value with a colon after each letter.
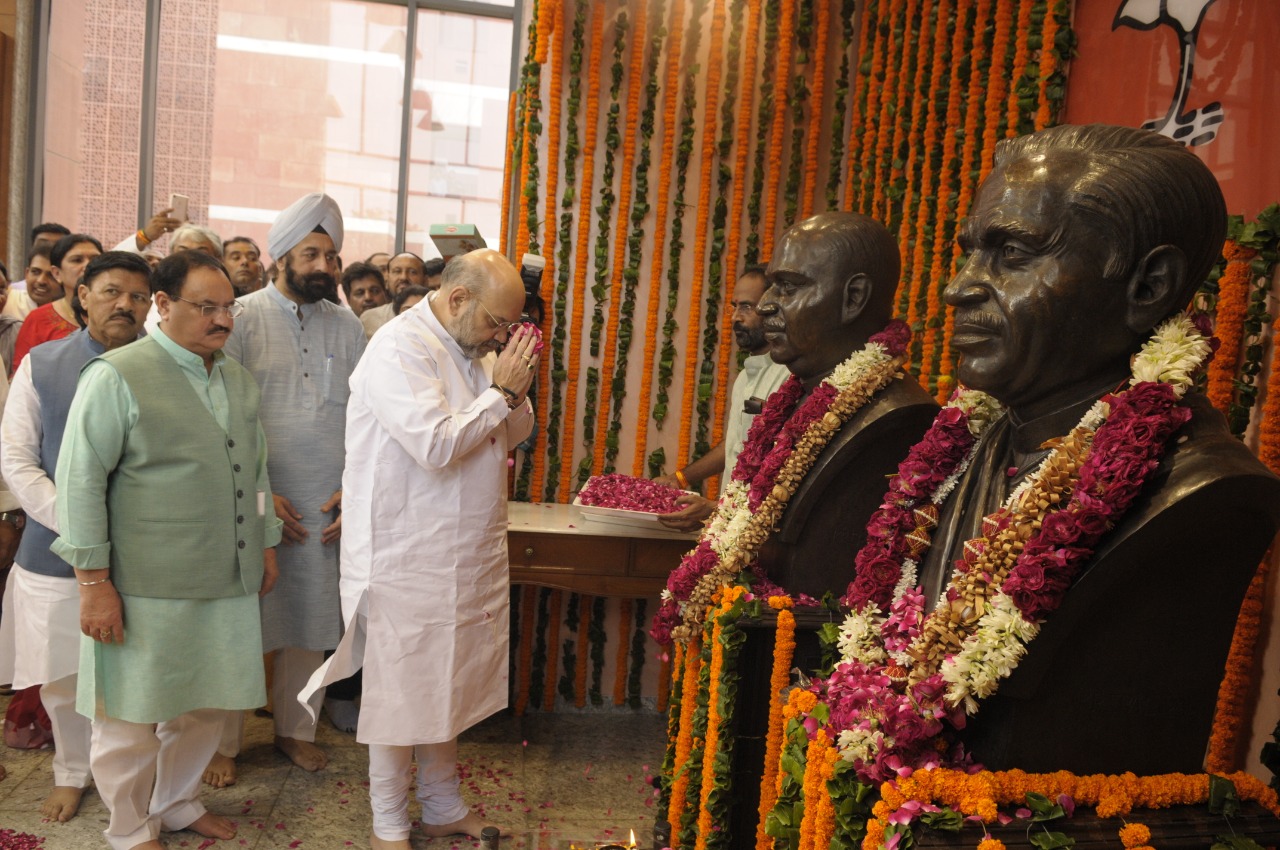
x: 301, y: 349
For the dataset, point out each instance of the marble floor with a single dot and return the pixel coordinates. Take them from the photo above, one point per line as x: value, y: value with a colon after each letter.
x: 548, y: 780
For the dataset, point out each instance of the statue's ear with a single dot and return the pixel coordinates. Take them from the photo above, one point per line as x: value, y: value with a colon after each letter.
x: 857, y: 292
x: 1156, y: 288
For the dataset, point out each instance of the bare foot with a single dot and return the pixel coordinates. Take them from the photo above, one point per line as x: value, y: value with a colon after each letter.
x: 469, y: 824
x: 62, y: 803
x: 153, y: 844
x: 213, y: 826
x: 377, y: 843
x: 221, y: 771
x: 304, y: 754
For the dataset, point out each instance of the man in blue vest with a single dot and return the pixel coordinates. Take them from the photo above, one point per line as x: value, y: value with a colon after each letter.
x: 163, y: 512
x: 115, y: 297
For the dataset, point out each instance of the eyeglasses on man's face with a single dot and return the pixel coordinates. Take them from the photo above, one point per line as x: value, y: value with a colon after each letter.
x: 497, y: 325
x: 234, y: 309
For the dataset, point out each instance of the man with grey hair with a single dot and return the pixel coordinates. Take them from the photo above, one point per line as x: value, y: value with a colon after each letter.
x: 196, y: 237
x: 437, y: 403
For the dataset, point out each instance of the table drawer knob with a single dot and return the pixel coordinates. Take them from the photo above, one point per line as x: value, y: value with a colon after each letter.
x: 528, y: 551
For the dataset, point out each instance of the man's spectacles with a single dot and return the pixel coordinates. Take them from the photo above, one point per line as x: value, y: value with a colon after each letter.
x: 234, y: 309
x: 506, y: 326
x: 742, y: 307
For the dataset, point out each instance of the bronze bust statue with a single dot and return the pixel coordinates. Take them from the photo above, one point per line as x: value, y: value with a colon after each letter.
x: 831, y: 285
x: 1080, y: 241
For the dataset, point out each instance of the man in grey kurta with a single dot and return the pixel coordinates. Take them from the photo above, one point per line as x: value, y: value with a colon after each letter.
x: 162, y: 511
x: 301, y: 349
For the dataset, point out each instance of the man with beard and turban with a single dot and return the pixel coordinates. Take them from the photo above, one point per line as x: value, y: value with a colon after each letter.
x: 759, y: 377
x: 425, y: 581
x: 301, y: 349
x: 45, y: 602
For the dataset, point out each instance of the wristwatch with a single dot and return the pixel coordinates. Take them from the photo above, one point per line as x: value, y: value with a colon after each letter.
x: 18, y: 519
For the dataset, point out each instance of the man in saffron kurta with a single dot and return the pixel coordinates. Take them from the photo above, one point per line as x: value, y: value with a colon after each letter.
x: 431, y: 418
x: 162, y: 510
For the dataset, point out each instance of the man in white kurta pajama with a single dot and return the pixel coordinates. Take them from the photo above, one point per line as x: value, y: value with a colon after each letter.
x: 431, y: 418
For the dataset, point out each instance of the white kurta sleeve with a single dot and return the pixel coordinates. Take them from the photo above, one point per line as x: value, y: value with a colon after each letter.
x: 21, y: 431
x: 412, y: 403
x: 519, y: 424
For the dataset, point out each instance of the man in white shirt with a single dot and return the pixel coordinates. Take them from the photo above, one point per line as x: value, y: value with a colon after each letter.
x: 431, y: 419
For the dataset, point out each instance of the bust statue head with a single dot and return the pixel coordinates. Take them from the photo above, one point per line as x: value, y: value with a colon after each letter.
x: 1080, y: 241
x: 831, y: 284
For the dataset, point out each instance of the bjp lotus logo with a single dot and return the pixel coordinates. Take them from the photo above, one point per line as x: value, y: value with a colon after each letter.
x: 1197, y: 126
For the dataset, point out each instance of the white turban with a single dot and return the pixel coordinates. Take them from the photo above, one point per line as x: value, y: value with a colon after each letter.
x: 302, y: 217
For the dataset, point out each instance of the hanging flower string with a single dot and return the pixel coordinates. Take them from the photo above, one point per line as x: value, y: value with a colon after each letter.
x: 901, y: 681
x: 781, y: 72
x: 670, y: 100
x: 782, y: 444
x: 764, y: 131
x: 840, y: 107
x: 784, y: 647
x: 811, y: 189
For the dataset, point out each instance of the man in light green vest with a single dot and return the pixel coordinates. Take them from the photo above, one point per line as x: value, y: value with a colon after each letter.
x: 163, y: 512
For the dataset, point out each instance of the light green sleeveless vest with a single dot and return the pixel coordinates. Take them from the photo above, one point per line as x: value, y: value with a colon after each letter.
x: 183, y: 500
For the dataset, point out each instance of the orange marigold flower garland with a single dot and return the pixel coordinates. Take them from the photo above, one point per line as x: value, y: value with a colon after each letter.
x: 784, y: 648
x: 684, y: 737
x: 811, y: 189
x: 673, y: 683
x: 538, y: 475
x: 711, y: 747
x: 762, y: 164
x: 684, y: 831
x: 891, y: 102
x: 1050, y: 64
x: 584, y: 234
x: 580, y: 665
x: 671, y: 97
x: 553, y: 641
x: 928, y: 206
x: 865, y: 105
x: 997, y: 80
x: 1233, y: 298
x: 991, y: 844
x: 798, y: 95
x: 708, y: 160
x: 1236, y: 688
x: 1135, y: 835
x: 507, y: 162
x: 781, y: 71
x: 908, y: 80
x: 1021, y: 56
x: 944, y: 222
x: 814, y: 789
x: 624, y: 650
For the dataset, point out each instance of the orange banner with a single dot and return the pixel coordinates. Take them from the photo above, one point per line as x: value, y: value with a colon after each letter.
x: 1204, y: 72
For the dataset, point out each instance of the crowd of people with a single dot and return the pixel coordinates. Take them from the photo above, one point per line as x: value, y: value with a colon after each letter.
x: 179, y: 497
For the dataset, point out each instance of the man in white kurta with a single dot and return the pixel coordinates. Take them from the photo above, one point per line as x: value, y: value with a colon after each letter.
x: 432, y: 416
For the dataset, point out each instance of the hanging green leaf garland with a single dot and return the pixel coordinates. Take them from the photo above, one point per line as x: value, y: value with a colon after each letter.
x: 534, y: 123
x: 597, y: 637
x: 764, y: 123
x: 635, y: 241
x: 684, y: 150
x: 564, y: 242
x: 600, y: 284
x: 840, y: 105
x: 797, y: 99
x: 639, y: 634
x: 538, y: 666
x: 715, y: 282
x: 688, y: 826
x: 570, y: 655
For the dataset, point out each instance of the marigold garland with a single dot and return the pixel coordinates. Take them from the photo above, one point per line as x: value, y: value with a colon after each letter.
x: 764, y: 130
x: 584, y: 232
x: 1233, y: 296
x: 538, y: 474
x: 873, y: 122
x: 507, y: 162
x: 893, y: 97
x: 810, y: 189
x: 814, y: 792
x: 553, y: 641
x: 707, y: 162
x: 672, y: 683
x: 622, y: 653
x: 670, y: 99
x: 626, y: 251
x: 684, y: 738
x: 1237, y: 683
x: 729, y: 245
x: 784, y: 647
x: 995, y: 105
x: 711, y: 747
x: 781, y: 70
x: 685, y: 831
x: 526, y: 648
x: 1050, y: 63
x: 1135, y: 835
x: 1021, y: 56
x: 796, y: 99
x: 865, y: 103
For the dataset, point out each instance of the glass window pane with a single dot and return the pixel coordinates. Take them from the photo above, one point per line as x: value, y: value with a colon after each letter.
x: 92, y: 116
x: 457, y: 140
x: 260, y: 104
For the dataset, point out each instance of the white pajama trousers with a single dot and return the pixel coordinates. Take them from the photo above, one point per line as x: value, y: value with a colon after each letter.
x: 293, y: 669
x: 390, y: 769
x: 148, y: 774
x: 72, y: 732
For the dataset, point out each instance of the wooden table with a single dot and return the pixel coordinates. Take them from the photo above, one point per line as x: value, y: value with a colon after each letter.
x: 553, y: 546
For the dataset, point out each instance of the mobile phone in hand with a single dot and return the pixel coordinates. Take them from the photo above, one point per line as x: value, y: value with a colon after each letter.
x: 179, y: 205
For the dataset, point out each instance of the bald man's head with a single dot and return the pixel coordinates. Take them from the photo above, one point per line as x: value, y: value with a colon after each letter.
x: 480, y: 299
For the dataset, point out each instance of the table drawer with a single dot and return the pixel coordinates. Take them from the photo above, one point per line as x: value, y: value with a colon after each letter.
x: 595, y: 555
x: 658, y: 557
